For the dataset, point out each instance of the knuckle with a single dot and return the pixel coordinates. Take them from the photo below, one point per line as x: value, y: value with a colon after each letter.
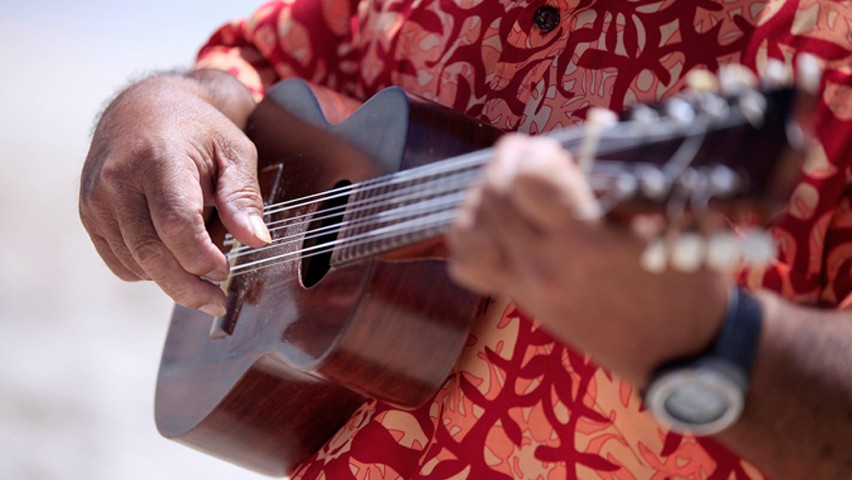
x: 234, y: 147
x: 151, y: 256
x: 113, y: 173
x: 175, y: 221
x: 245, y: 146
x: 247, y: 195
x: 198, y: 264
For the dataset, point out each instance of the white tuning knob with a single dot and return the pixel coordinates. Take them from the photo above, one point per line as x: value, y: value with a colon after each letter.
x: 723, y: 251
x: 735, y: 78
x: 680, y: 111
x: 655, y: 257
x: 777, y: 74
x: 653, y: 183
x: 758, y: 247
x: 702, y: 81
x: 688, y: 253
x: 724, y: 182
x: 808, y: 72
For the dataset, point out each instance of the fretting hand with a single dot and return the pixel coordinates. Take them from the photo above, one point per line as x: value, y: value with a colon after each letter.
x: 529, y: 232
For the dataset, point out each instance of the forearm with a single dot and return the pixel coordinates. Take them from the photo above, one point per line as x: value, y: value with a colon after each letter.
x: 798, y: 419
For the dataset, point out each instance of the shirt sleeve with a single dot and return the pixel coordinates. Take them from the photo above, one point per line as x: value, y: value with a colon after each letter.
x: 310, y: 39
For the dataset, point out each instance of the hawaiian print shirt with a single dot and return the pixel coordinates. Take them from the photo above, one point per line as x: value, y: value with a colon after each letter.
x: 521, y: 404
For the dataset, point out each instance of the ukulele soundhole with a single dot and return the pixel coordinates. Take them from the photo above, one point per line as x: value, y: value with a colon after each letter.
x: 321, y: 236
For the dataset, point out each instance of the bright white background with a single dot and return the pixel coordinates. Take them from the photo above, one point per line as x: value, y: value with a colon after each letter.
x: 79, y: 349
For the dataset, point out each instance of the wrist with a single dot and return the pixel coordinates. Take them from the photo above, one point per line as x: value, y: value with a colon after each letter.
x: 227, y: 94
x: 693, y: 314
x: 705, y: 394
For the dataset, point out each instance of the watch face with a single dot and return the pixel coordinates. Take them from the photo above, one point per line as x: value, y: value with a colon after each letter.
x: 702, y: 400
x: 696, y: 404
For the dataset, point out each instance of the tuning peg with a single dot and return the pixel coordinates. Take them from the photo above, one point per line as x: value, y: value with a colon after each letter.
x: 808, y: 73
x: 687, y: 253
x: 777, y: 74
x: 654, y: 184
x: 602, y: 117
x: 723, y: 251
x: 680, y: 110
x: 597, y: 120
x: 644, y: 116
x: 723, y: 181
x: 654, y: 258
x: 702, y: 81
x: 758, y: 247
x: 734, y: 78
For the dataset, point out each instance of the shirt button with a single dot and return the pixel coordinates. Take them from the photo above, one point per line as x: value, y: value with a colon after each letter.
x: 546, y: 18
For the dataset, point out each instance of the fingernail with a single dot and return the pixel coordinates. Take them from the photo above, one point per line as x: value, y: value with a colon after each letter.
x: 258, y: 227
x: 218, y: 275
x: 214, y: 309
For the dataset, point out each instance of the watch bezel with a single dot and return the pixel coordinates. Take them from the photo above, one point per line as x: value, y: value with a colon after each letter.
x: 727, y: 381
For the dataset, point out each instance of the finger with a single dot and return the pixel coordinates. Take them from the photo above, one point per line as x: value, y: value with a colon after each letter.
x: 160, y: 264
x: 176, y: 206
x: 238, y: 196
x: 518, y: 240
x: 115, y: 265
x: 547, y: 187
x: 109, y: 243
x: 475, y: 260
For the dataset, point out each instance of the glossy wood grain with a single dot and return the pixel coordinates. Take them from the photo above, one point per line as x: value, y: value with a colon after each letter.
x: 294, y: 363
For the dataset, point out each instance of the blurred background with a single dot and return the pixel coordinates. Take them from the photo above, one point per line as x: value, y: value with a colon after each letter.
x: 79, y: 349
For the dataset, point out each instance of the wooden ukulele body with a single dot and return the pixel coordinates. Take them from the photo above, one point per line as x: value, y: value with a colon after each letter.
x: 304, y: 343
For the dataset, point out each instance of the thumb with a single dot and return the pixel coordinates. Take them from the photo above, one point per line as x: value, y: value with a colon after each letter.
x: 238, y: 197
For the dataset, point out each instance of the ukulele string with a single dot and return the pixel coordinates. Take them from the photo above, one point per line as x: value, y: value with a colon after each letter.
x: 469, y: 166
x: 567, y: 138
x: 381, y: 200
x: 634, y: 132
x: 441, y: 219
x: 386, y: 203
x: 460, y: 163
x: 649, y: 133
x: 450, y: 194
x: 433, y: 219
x: 469, y: 160
x: 419, y: 217
x: 411, y: 211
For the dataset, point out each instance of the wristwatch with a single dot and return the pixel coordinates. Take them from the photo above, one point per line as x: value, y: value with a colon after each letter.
x: 705, y: 394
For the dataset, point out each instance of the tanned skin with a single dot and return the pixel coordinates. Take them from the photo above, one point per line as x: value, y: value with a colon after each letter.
x: 172, y: 145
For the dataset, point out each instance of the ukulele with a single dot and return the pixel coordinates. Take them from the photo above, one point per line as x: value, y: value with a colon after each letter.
x: 352, y: 299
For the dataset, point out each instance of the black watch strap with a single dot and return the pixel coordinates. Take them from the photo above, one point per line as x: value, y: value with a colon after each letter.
x: 737, y: 340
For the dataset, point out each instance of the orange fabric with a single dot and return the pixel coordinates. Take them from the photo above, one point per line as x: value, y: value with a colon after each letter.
x: 521, y: 404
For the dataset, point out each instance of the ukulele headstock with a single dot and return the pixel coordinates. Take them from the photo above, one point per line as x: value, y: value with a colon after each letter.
x: 712, y: 165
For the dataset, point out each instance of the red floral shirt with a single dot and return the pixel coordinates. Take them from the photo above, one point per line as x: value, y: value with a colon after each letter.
x: 519, y: 403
